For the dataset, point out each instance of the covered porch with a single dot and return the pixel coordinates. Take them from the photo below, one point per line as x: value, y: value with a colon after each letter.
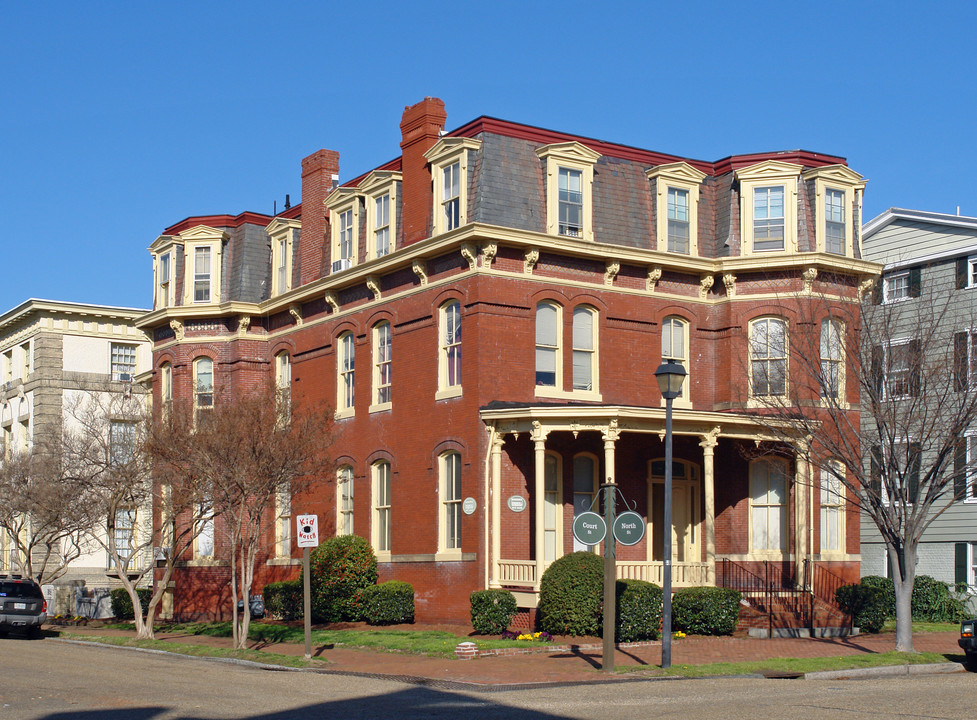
x: 545, y: 464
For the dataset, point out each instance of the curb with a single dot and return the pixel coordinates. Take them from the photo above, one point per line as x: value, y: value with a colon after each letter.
x: 887, y: 671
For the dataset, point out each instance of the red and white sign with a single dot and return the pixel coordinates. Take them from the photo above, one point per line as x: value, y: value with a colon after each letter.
x: 308, y: 531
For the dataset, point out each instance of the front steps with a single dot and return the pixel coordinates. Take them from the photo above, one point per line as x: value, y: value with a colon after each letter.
x: 792, y: 616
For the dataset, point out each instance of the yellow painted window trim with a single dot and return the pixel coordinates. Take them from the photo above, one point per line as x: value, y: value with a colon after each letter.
x: 444, y: 390
x: 680, y: 176
x: 758, y: 401
x: 375, y: 510
x: 375, y: 404
x: 841, y: 401
x: 343, y: 477
x: 595, y: 353
x: 764, y: 554
x: 769, y: 173
x: 841, y: 509
x: 834, y: 177
x: 444, y: 552
x: 342, y: 411
x: 278, y: 230
x: 684, y: 401
x: 374, y: 186
x: 572, y: 156
x: 444, y: 153
x: 557, y: 387
x: 198, y: 237
x: 338, y: 202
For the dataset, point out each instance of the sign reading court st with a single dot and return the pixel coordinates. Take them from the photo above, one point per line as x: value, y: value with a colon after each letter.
x: 589, y: 528
x: 629, y: 528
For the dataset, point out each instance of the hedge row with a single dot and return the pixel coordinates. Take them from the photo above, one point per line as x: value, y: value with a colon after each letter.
x: 122, y: 603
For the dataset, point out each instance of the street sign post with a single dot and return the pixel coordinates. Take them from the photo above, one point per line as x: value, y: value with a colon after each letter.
x: 307, y: 536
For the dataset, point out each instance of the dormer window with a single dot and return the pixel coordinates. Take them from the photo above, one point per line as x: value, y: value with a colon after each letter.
x: 450, y: 158
x: 380, y: 188
x: 837, y: 189
x: 283, y: 233
x: 202, y: 249
x: 768, y: 218
x: 768, y: 207
x: 344, y: 209
x: 163, y: 293
x: 677, y: 206
x: 569, y: 189
x: 201, y: 274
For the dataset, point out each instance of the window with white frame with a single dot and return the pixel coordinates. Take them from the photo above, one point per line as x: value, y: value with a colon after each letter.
x: 450, y: 492
x: 124, y: 534
x: 201, y: 274
x: 122, y: 442
x: 381, y: 365
x: 901, y: 368
x: 768, y: 207
x: 552, y: 508
x: 674, y: 336
x: 584, y: 348
x: 449, y: 354
x: 123, y: 359
x: 897, y: 286
x: 449, y: 158
x: 832, y: 358
x: 344, y: 223
x: 768, y: 357
x: 166, y: 387
x: 832, y: 507
x: 283, y: 522
x: 344, y: 500
x: 834, y: 221
x: 346, y: 235
x: 203, y: 384
x: 768, y: 505
x: 769, y: 220
x: 676, y: 207
x: 570, y: 202
x: 164, y: 280
x: 569, y: 189
x: 346, y: 358
x: 548, y: 360
x: 283, y: 232
x: 584, y: 491
x: 381, y: 225
x: 281, y: 264
x: 971, y: 271
x: 678, y: 220
x: 204, y: 544
x: 381, y: 507
x: 451, y: 196
x: 283, y: 383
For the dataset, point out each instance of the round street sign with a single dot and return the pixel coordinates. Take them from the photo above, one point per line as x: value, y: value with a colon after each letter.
x: 589, y: 528
x: 629, y: 528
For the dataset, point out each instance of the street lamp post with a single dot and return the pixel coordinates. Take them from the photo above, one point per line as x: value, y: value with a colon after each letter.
x: 670, y: 376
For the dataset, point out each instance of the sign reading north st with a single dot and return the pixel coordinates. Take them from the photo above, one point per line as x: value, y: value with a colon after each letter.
x: 589, y: 528
x: 308, y: 531
x: 629, y: 528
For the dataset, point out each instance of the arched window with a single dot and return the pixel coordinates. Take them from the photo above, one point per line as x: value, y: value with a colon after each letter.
x: 381, y: 364
x: 203, y: 384
x: 381, y: 507
x: 675, y: 333
x: 584, y: 490
x: 584, y: 348
x: 768, y: 357
x: 344, y: 500
x: 768, y: 505
x: 449, y: 471
x: 449, y: 352
x: 548, y: 359
x: 166, y: 388
x: 832, y: 358
x: 345, y: 371
x: 283, y: 383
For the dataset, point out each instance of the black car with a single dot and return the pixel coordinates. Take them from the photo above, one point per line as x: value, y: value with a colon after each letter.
x: 967, y: 640
x: 22, y: 605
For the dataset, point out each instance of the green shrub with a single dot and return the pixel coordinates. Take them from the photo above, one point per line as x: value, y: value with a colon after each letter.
x: 888, y: 589
x: 122, y: 603
x: 706, y: 610
x: 492, y: 611
x: 389, y: 603
x: 933, y: 602
x: 340, y: 570
x: 570, y: 595
x: 639, y: 611
x: 284, y: 600
x: 865, y: 603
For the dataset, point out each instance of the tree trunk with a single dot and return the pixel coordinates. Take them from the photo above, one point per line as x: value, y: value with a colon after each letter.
x: 903, y: 577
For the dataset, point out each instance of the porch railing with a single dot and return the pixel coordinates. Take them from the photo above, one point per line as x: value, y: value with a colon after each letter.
x: 522, y: 573
x: 824, y: 583
x: 770, y: 586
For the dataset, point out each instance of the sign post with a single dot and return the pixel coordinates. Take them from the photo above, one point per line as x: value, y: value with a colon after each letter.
x: 307, y: 537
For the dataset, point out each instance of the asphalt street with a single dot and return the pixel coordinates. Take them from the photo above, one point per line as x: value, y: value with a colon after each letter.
x: 52, y: 680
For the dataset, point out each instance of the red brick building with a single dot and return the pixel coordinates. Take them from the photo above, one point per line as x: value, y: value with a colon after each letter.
x: 486, y: 311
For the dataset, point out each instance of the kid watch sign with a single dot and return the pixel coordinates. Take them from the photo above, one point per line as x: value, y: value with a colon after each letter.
x: 308, y: 531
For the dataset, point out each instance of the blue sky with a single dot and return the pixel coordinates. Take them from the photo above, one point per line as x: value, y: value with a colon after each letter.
x: 119, y: 119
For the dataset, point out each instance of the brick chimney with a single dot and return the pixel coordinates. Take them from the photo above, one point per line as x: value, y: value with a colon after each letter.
x: 420, y: 126
x: 318, y: 171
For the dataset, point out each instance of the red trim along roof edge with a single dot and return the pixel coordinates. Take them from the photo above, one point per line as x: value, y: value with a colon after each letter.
x: 246, y: 217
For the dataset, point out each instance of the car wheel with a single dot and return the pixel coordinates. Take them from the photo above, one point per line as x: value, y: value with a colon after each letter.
x: 34, y: 632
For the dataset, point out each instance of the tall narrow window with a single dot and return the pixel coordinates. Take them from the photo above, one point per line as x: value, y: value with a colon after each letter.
x: 124, y: 536
x: 346, y: 367
x: 166, y: 387
x: 678, y: 220
x: 25, y: 360
x: 673, y: 344
x: 164, y: 281
x: 571, y: 202
x: 201, y: 274
x: 283, y: 384
x: 282, y: 263
x: 205, y: 525
x: 346, y: 236
x: 123, y: 362
x: 768, y: 505
x: 552, y: 508
x: 449, y: 361
x: 584, y: 490
x: 834, y: 218
x: 768, y: 218
x: 381, y: 507
x: 122, y: 442
x: 381, y: 364
x: 381, y: 225
x: 283, y: 524
x: 450, y: 195
x: 584, y: 348
x: 203, y: 384
x: 344, y: 500
x: 768, y: 357
x: 451, y: 501
x: 831, y: 358
x: 832, y: 507
x: 899, y: 376
x: 547, y: 344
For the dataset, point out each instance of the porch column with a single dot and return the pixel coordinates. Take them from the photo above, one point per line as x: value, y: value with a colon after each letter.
x: 708, y: 445
x: 802, y: 482
x: 497, y: 442
x: 538, y: 436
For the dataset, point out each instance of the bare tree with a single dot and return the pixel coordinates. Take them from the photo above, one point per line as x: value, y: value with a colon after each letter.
x: 42, y: 512
x: 257, y: 450
x: 878, y: 401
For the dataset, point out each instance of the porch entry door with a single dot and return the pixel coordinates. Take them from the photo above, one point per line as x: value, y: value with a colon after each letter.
x: 686, y: 511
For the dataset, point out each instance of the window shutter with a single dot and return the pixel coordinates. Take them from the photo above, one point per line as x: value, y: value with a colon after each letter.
x: 960, y: 469
x: 960, y: 369
x: 915, y: 282
x: 877, y: 377
x: 961, y: 273
x: 915, y: 363
x: 877, y: 292
x: 875, y: 475
x: 959, y: 562
x: 915, y: 450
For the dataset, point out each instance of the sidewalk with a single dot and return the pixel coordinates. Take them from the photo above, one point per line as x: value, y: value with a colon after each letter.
x: 575, y: 666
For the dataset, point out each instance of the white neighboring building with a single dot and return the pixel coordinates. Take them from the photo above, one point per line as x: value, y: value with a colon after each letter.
x: 52, y: 353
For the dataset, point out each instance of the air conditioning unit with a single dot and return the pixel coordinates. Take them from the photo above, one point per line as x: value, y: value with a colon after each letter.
x: 342, y: 264
x: 125, y: 377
